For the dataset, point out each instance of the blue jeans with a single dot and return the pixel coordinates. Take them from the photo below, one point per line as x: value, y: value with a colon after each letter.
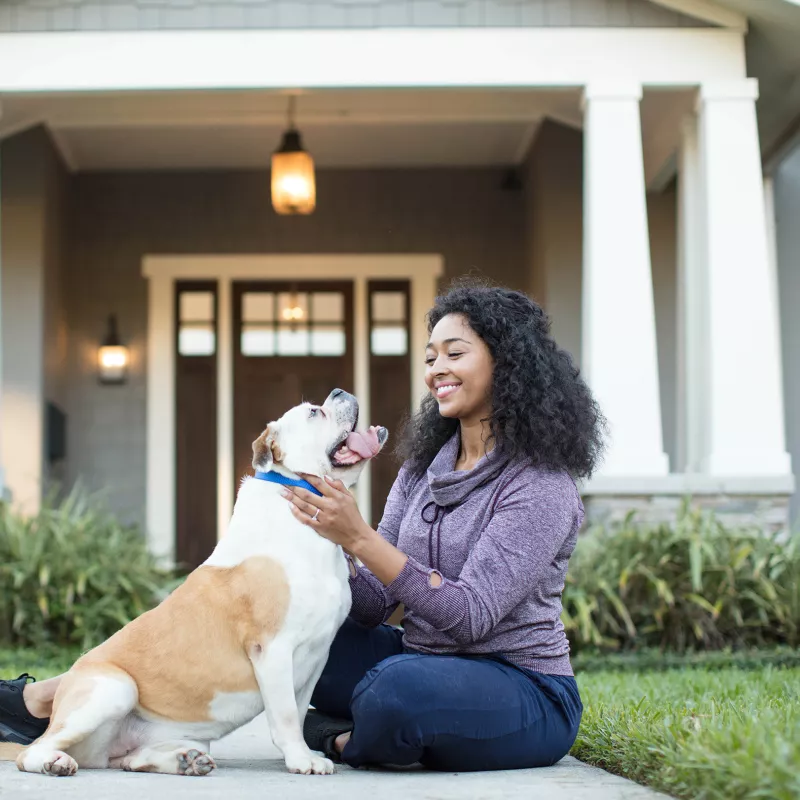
x: 453, y: 713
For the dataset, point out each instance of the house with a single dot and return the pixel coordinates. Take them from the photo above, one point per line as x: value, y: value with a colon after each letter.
x: 633, y: 164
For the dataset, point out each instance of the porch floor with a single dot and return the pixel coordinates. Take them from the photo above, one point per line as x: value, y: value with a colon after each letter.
x: 248, y: 767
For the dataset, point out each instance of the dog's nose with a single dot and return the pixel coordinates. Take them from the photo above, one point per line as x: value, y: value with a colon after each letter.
x: 336, y: 392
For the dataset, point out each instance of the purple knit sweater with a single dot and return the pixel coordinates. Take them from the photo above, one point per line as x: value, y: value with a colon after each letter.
x: 500, y: 536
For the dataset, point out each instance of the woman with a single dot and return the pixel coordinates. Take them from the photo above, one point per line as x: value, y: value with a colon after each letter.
x: 474, y: 542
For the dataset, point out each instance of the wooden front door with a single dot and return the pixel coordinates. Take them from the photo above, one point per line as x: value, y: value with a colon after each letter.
x: 292, y: 342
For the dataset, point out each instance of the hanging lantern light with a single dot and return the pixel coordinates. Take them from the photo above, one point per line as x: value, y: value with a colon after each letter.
x: 293, y: 186
x: 294, y: 311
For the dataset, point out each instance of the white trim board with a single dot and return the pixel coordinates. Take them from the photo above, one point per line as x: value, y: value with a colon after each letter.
x: 688, y: 484
x: 335, y: 59
x: 423, y: 272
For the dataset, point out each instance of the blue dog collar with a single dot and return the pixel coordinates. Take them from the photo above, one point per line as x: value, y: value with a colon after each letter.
x: 276, y: 477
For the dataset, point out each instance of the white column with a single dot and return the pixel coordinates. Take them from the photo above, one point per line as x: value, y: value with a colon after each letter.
x: 744, y: 415
x: 363, y: 488
x: 161, y: 418
x: 618, y: 336
x: 225, y: 467
x: 691, y: 323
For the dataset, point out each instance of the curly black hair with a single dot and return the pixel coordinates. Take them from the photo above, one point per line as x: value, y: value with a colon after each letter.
x: 541, y: 408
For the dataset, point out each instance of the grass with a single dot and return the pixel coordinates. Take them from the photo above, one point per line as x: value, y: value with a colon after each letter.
x: 42, y: 663
x: 708, y: 734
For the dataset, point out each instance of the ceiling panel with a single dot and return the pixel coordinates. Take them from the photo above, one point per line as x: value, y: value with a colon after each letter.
x: 357, y: 146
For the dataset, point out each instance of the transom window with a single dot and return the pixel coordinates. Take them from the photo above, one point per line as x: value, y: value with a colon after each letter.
x: 293, y: 324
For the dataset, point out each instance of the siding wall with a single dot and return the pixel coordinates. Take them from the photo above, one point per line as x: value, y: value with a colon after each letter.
x: 118, y: 15
x: 787, y: 213
x: 34, y: 187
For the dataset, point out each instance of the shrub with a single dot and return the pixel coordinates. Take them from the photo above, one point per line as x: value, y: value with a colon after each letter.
x: 694, y: 584
x: 72, y: 574
x: 654, y: 660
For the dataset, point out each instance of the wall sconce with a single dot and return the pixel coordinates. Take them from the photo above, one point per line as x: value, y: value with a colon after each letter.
x: 112, y: 356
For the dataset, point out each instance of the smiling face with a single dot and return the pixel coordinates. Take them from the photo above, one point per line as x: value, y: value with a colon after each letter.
x: 320, y: 440
x: 459, y: 370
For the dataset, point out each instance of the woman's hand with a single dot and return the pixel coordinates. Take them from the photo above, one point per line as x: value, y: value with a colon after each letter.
x: 335, y: 515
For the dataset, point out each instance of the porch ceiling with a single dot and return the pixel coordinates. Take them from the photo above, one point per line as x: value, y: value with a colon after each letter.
x: 240, y: 129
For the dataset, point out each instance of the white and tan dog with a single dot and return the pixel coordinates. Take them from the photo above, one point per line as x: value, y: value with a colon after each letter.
x: 249, y: 630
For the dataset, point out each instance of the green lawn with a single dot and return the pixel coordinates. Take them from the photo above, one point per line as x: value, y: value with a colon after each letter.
x: 41, y: 664
x: 705, y: 734
x: 726, y: 727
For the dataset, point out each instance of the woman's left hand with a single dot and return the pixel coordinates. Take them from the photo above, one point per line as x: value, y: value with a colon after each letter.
x: 335, y: 515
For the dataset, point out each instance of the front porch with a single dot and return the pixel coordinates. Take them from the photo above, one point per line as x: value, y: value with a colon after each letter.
x: 611, y: 188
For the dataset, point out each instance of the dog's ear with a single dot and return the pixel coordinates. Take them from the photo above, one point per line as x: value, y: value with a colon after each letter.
x: 266, y: 449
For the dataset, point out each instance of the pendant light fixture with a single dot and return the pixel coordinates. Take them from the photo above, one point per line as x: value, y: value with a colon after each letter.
x: 293, y: 185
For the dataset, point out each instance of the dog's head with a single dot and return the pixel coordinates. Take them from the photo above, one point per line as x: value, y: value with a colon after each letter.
x: 320, y: 440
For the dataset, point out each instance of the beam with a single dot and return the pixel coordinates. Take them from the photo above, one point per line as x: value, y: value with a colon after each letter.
x: 446, y: 58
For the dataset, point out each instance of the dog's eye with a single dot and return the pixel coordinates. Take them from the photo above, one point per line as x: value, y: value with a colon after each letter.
x: 312, y: 413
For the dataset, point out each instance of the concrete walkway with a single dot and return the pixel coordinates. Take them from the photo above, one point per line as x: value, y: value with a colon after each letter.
x: 249, y: 769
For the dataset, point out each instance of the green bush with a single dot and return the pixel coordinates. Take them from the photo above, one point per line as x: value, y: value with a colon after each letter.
x: 654, y: 660
x: 72, y: 575
x: 691, y: 585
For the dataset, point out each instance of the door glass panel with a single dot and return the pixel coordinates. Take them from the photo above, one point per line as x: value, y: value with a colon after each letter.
x: 196, y: 329
x: 258, y: 341
x: 388, y: 307
x: 328, y: 340
x: 258, y: 307
x: 389, y: 341
x: 194, y: 340
x: 389, y: 334
x: 327, y: 307
x: 293, y: 324
x: 197, y: 306
x: 293, y: 341
x: 293, y: 307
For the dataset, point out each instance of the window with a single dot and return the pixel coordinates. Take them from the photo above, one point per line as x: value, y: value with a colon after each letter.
x: 389, y: 317
x: 196, y: 323
x: 293, y: 324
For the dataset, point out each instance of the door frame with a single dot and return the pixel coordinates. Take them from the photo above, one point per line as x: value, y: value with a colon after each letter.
x: 423, y: 271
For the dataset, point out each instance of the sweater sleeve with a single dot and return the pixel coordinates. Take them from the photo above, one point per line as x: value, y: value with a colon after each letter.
x: 528, y: 528
x: 371, y: 605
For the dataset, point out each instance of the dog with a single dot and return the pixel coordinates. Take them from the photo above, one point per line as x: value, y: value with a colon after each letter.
x: 248, y: 631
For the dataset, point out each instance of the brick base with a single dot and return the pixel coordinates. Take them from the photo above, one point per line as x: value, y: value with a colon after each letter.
x: 769, y: 512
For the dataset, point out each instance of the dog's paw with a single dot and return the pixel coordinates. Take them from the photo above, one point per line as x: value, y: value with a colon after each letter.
x: 60, y: 765
x: 193, y: 762
x: 310, y: 765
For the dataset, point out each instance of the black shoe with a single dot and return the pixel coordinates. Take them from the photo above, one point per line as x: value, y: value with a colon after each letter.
x: 17, y: 724
x: 320, y: 732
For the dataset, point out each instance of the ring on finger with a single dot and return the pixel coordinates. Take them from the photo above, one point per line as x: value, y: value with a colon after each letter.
x: 316, y: 516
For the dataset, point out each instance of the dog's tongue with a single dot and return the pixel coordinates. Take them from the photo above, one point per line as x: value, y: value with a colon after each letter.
x: 365, y: 443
